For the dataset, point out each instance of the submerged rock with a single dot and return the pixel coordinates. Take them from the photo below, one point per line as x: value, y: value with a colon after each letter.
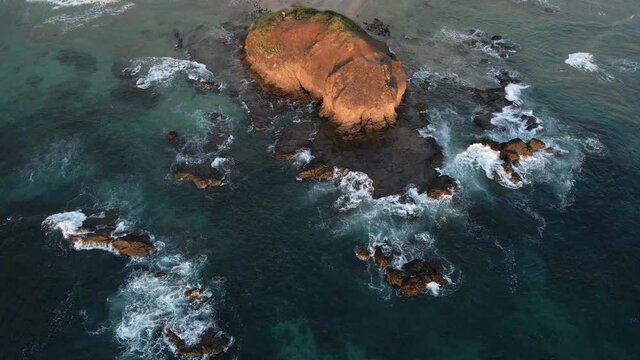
x: 377, y: 27
x: 496, y: 43
x: 325, y: 56
x: 211, y: 343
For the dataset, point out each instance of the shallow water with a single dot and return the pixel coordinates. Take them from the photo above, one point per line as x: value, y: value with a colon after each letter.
x: 547, y: 270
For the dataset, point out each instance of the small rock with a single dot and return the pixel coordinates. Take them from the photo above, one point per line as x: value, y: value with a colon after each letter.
x: 171, y: 135
x: 362, y: 254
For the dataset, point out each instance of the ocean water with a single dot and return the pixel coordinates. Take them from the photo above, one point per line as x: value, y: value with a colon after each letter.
x: 546, y: 269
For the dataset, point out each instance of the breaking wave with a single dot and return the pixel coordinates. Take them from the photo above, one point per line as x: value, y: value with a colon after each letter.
x: 154, y: 299
x: 161, y: 71
x: 585, y: 61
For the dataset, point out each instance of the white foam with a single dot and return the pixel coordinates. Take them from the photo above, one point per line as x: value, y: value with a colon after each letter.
x: 302, y: 158
x: 355, y: 186
x: 147, y: 304
x: 585, y: 62
x: 73, y: 3
x: 479, y: 156
x: 582, y: 61
x: 69, y: 223
x: 511, y: 125
x: 161, y: 71
x: 221, y: 163
x: 433, y: 288
x: 594, y: 146
x: 514, y: 91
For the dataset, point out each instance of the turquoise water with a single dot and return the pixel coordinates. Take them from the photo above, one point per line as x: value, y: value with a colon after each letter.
x: 544, y: 271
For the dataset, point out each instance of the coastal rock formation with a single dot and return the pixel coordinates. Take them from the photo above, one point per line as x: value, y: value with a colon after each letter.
x: 325, y: 56
x: 513, y: 151
x: 202, y: 175
x: 412, y: 278
x: 102, y: 229
x: 494, y: 100
x: 393, y: 161
x: 211, y: 343
x: 317, y: 169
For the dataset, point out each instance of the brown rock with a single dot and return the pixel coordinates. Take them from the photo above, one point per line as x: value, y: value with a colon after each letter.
x: 171, y: 135
x: 136, y: 244
x: 413, y: 287
x: 443, y: 186
x: 362, y: 254
x: 381, y: 259
x: 325, y: 56
x: 535, y: 145
x: 211, y: 343
x: 193, y: 293
x: 318, y: 170
x: 201, y: 175
x: 413, y: 278
x: 394, y: 277
x: 512, y: 152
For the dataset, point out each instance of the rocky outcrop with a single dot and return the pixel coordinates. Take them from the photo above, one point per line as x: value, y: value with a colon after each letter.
x: 100, y: 229
x: 442, y: 187
x: 325, y: 56
x: 211, y: 343
x: 377, y: 27
x: 317, y: 169
x: 497, y: 44
x: 494, y: 100
x: 412, y: 278
x: 201, y: 175
x: 513, y: 151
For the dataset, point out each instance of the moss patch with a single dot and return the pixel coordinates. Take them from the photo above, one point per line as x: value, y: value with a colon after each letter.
x: 336, y: 21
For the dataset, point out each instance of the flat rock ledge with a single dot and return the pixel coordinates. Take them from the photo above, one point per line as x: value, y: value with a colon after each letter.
x: 325, y: 56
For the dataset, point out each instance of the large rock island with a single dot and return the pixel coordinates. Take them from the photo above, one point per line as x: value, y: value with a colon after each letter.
x: 325, y: 56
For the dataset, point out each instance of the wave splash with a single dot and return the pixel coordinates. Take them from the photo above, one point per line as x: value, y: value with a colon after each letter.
x: 161, y: 71
x: 152, y: 301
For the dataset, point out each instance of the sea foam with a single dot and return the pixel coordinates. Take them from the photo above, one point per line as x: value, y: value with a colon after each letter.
x: 161, y: 71
x: 148, y: 303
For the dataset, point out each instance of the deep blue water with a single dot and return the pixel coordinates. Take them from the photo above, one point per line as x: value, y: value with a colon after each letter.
x: 546, y: 271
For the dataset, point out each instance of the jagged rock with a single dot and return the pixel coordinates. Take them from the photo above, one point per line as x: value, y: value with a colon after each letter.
x: 100, y: 229
x: 212, y: 343
x: 513, y: 151
x: 362, y: 253
x: 413, y: 278
x: 317, y: 169
x: 377, y: 27
x: 201, y: 175
x: 325, y: 56
x: 133, y: 244
x: 443, y: 186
